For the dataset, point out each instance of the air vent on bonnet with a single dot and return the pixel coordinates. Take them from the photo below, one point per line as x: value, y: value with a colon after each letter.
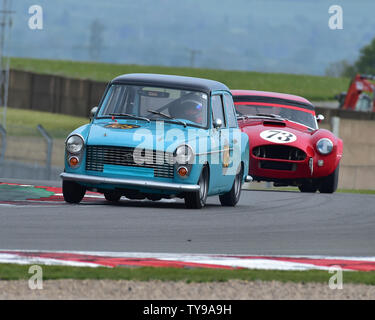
x: 274, y: 123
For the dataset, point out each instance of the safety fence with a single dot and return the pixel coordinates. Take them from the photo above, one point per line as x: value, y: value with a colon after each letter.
x: 30, y: 153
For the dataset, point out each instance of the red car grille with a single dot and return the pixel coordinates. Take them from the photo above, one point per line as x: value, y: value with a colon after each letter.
x: 277, y: 165
x: 279, y: 152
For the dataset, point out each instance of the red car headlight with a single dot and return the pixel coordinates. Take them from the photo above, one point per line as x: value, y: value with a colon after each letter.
x: 324, y: 146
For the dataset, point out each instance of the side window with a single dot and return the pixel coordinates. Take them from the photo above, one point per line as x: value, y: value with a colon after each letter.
x: 231, y: 116
x: 217, y: 109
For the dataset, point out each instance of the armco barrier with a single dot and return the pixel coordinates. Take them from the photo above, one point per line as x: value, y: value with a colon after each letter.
x: 53, y: 93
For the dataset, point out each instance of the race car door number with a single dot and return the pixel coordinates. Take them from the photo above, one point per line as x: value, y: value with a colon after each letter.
x: 278, y: 136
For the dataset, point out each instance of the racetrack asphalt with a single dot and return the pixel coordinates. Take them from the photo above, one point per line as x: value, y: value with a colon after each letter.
x: 263, y: 223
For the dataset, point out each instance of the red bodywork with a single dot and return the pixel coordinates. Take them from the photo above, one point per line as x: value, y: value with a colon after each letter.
x: 286, y: 163
x: 360, y: 94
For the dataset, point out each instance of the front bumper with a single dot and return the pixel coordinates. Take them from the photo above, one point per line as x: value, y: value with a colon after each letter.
x: 129, y: 182
x: 306, y: 169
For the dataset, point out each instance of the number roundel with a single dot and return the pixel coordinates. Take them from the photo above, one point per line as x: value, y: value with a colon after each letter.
x: 278, y: 136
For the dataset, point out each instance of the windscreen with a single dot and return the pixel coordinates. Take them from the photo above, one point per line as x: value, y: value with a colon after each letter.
x: 306, y: 118
x: 156, y: 103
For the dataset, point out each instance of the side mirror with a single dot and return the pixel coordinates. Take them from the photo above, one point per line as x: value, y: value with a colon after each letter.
x: 218, y: 123
x: 93, y: 112
x: 319, y: 118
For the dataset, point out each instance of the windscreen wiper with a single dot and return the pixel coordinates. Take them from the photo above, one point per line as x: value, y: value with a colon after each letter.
x: 261, y: 115
x: 127, y: 115
x: 167, y: 116
x: 243, y: 116
x: 270, y: 115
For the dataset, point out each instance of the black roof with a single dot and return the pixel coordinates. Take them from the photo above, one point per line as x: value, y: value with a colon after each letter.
x: 171, y: 81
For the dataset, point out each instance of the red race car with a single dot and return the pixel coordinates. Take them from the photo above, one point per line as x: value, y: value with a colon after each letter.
x: 286, y: 144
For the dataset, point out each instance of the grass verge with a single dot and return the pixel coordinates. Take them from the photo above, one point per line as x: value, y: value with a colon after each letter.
x: 22, y: 122
x: 315, y: 88
x: 360, y: 191
x: 19, y: 272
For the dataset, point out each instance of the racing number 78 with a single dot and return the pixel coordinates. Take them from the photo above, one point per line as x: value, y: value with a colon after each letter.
x: 280, y: 135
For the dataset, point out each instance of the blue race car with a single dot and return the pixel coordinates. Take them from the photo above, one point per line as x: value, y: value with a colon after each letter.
x: 159, y: 136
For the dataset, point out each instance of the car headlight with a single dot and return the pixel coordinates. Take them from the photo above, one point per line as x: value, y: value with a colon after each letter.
x: 184, y: 154
x: 324, y: 146
x: 74, y: 144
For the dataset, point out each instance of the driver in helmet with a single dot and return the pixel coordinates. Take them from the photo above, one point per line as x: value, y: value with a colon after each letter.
x: 189, y: 110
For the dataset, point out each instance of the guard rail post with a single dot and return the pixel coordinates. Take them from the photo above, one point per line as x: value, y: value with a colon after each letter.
x: 49, y: 142
x: 3, y: 134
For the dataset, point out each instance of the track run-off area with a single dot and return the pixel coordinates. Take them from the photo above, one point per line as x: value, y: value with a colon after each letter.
x: 283, y: 230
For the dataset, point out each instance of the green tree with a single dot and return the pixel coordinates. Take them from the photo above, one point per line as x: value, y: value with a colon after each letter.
x: 365, y: 64
x: 340, y: 69
x: 366, y: 60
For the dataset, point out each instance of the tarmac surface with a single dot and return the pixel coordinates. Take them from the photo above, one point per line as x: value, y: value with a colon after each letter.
x: 263, y: 223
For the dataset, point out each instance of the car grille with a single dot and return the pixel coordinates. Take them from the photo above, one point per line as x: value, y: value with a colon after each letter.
x: 276, y: 165
x: 98, y: 156
x: 279, y: 152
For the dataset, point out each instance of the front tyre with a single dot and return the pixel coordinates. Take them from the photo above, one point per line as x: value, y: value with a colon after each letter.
x: 308, y: 187
x: 329, y: 184
x: 73, y: 192
x: 231, y: 198
x: 197, y: 199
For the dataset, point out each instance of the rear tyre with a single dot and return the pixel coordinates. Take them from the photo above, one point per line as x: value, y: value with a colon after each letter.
x: 329, y: 184
x: 308, y: 188
x: 197, y: 199
x: 231, y: 198
x: 73, y: 192
x: 112, y: 196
